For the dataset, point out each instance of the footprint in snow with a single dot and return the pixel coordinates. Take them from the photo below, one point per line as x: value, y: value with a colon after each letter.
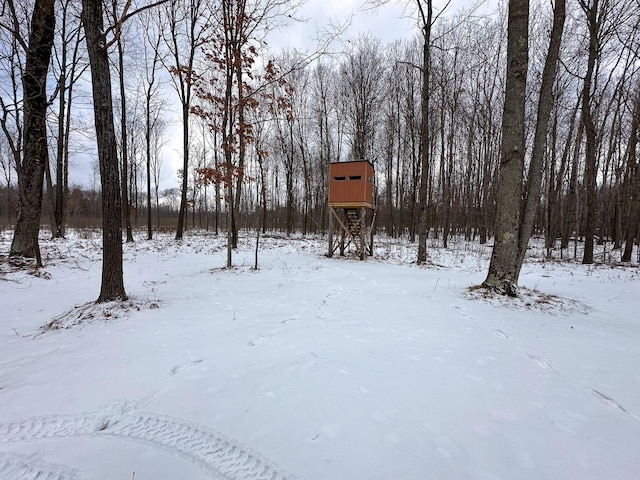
x: 499, y: 333
x: 542, y: 363
x: 270, y: 334
x: 181, y: 367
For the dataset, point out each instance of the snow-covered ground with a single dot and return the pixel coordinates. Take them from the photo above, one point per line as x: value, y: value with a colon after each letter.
x: 315, y: 368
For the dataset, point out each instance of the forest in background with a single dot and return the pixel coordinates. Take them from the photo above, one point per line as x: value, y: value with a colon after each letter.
x: 360, y: 100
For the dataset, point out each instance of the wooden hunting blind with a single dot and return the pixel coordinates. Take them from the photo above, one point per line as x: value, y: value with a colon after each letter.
x: 351, y: 207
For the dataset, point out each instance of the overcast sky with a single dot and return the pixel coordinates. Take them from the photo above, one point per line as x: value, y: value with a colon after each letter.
x: 392, y: 21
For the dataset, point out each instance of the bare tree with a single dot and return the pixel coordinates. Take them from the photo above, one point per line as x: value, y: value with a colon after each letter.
x: 603, y: 18
x: 426, y: 17
x: 545, y: 105
x: 285, y: 147
x: 36, y: 154
x: 124, y: 143
x: 12, y: 43
x: 153, y: 102
x: 11, y: 68
x: 189, y: 22
x: 325, y: 122
x: 592, y: 11
x: 502, y: 275
x: 7, y: 169
x: 112, y: 287
x: 361, y: 74
x: 634, y: 181
x: 157, y: 142
x: 68, y: 70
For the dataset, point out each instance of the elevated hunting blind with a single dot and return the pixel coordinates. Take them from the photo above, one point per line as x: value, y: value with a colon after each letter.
x: 351, y: 207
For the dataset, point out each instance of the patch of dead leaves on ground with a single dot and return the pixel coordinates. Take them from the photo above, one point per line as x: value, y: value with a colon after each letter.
x: 16, y: 269
x: 530, y: 299
x: 91, y: 312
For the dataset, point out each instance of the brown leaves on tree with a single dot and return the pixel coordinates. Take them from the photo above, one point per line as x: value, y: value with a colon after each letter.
x: 232, y: 90
x: 223, y: 176
x: 187, y: 73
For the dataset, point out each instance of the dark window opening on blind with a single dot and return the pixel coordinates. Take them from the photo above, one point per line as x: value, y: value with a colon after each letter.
x: 355, y: 177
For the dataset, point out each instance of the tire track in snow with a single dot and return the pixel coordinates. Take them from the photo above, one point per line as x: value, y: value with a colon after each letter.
x: 22, y: 467
x: 218, y: 456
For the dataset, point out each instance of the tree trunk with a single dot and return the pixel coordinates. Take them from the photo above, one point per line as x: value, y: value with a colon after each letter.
x: 556, y: 212
x: 229, y: 188
x: 147, y: 138
x: 424, y: 133
x: 216, y: 165
x: 112, y: 275
x: 36, y: 153
x: 58, y: 230
x: 634, y: 179
x: 192, y: 18
x: 49, y: 199
x: 590, y: 134
x: 263, y: 190
x: 126, y: 202
x: 503, y: 271
x: 545, y: 105
x: 242, y: 145
x: 185, y: 170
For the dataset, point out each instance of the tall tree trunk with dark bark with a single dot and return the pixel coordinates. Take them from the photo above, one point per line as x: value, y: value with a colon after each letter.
x: 188, y: 25
x: 68, y: 63
x: 634, y: 179
x: 591, y: 11
x: 425, y: 158
x: 503, y: 271
x: 545, y: 105
x: 112, y: 275
x: 182, y: 212
x: 36, y: 153
x: 554, y: 200
x: 126, y: 202
x: 147, y: 137
x: 59, y: 203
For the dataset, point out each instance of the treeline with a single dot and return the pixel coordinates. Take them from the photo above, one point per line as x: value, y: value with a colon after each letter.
x: 259, y: 134
x: 366, y: 105
x: 84, y: 209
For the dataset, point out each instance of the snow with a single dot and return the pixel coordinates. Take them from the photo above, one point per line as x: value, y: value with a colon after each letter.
x: 315, y: 368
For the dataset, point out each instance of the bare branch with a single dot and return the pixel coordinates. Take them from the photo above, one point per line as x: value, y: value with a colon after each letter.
x: 15, y: 31
x: 126, y: 16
